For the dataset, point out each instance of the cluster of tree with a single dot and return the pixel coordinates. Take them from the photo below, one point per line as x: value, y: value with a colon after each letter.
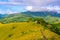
x: 55, y: 29
x: 41, y: 21
x: 38, y: 21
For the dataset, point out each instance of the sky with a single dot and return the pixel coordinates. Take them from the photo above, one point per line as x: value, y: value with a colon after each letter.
x: 16, y: 6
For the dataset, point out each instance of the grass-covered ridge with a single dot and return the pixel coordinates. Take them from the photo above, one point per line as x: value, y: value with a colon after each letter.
x: 26, y: 31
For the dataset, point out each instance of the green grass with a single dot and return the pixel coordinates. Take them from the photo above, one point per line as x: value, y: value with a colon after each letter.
x: 25, y: 31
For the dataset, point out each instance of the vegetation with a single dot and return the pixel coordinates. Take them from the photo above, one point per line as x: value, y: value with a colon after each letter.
x: 26, y: 31
x: 53, y: 27
x: 29, y: 27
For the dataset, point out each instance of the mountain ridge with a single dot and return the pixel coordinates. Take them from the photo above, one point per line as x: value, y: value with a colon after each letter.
x: 38, y: 13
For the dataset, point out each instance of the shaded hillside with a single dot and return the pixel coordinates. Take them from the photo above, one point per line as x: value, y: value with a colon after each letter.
x: 43, y: 13
x: 2, y: 15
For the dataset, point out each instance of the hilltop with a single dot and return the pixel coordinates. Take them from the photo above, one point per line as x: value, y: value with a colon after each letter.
x: 26, y: 31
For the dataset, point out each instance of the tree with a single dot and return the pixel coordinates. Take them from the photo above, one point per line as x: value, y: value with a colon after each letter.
x: 41, y: 21
x: 30, y: 20
x: 55, y: 29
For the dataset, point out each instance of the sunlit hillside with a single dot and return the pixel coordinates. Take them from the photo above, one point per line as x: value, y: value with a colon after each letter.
x: 26, y: 31
x: 49, y: 17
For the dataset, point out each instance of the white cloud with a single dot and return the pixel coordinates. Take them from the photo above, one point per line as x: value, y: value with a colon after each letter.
x: 50, y: 8
x: 7, y: 12
x: 36, y: 4
x: 30, y: 2
x: 10, y: 12
x: 10, y: 3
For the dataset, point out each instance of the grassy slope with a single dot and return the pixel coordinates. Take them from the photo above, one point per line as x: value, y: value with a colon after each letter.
x: 25, y: 31
x: 19, y: 17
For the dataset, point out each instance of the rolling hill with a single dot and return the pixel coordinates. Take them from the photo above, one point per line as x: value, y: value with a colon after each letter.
x: 19, y: 26
x: 26, y: 31
x: 24, y: 16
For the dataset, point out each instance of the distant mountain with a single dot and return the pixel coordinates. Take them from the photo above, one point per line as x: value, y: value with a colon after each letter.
x: 2, y: 15
x: 24, y: 16
x: 29, y: 13
x: 43, y: 13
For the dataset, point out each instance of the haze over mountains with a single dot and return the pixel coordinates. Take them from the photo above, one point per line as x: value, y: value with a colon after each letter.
x: 37, y: 13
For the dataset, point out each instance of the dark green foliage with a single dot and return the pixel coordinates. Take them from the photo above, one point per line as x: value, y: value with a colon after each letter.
x: 55, y: 29
x: 13, y: 27
x: 10, y: 35
x: 42, y: 22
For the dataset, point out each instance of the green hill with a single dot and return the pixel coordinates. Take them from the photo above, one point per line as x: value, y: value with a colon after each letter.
x: 26, y: 31
x: 30, y: 26
x: 24, y: 17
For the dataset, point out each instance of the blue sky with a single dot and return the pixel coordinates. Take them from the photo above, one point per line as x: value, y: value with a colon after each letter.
x: 14, y: 6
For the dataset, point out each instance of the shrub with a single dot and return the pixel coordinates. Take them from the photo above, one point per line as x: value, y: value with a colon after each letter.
x: 10, y: 35
x: 13, y: 27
